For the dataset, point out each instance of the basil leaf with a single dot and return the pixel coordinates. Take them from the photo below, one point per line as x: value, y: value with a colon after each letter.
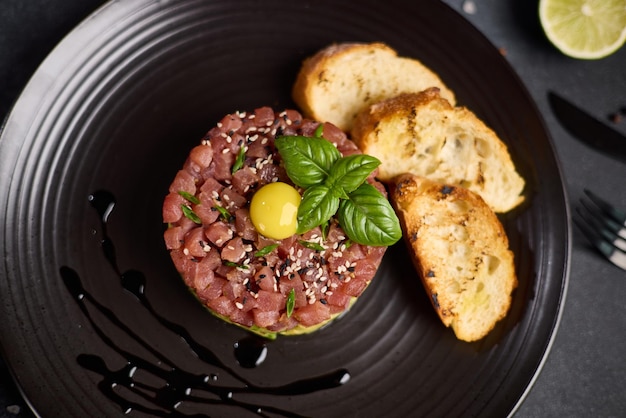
x: 368, y: 218
x: 291, y: 302
x: 317, y: 206
x: 350, y: 172
x: 307, y: 160
x: 265, y: 250
x: 190, y: 214
x: 325, y: 227
x: 241, y: 158
x: 189, y: 197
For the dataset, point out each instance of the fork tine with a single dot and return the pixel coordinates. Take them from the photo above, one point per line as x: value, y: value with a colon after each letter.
x: 614, y: 254
x: 605, y: 227
x: 611, y: 211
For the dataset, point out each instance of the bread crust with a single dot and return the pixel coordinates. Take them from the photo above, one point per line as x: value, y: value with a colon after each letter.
x: 424, y: 134
x: 460, y: 251
x: 342, y: 79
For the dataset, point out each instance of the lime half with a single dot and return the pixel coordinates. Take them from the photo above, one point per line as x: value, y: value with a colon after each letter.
x: 587, y: 29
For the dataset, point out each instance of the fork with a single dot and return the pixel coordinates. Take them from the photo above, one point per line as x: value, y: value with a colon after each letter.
x: 604, y: 226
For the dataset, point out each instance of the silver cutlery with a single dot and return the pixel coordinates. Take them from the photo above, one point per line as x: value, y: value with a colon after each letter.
x: 588, y: 129
x: 604, y: 226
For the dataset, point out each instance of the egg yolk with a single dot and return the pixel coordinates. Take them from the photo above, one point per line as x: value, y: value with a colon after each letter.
x: 274, y: 210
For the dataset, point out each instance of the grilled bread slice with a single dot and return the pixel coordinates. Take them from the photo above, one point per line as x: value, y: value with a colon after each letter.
x: 460, y: 251
x: 343, y: 79
x: 423, y: 134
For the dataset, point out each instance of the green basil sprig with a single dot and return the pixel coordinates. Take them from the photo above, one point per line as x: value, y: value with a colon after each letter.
x: 337, y: 185
x: 307, y: 160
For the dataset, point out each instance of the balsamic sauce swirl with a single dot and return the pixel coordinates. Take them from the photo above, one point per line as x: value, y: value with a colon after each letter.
x: 179, y: 387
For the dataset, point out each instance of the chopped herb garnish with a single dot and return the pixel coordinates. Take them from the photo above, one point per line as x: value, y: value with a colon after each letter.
x: 224, y: 212
x: 239, y: 266
x: 291, y: 302
x: 190, y: 214
x: 311, y: 245
x: 241, y: 158
x: 319, y: 130
x: 188, y: 196
x: 266, y: 250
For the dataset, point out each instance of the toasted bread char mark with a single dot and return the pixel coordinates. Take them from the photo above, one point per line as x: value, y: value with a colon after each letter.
x: 340, y: 80
x: 422, y: 133
x: 460, y: 251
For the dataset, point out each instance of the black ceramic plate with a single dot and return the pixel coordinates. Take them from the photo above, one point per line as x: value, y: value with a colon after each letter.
x: 112, y: 113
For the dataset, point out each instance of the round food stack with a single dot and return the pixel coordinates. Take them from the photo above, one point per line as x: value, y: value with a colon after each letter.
x: 269, y: 286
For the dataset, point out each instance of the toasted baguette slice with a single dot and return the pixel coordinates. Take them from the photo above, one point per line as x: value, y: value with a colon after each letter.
x: 460, y: 250
x: 423, y: 134
x: 343, y: 79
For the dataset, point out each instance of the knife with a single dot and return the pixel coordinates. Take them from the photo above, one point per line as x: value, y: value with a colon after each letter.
x: 587, y: 128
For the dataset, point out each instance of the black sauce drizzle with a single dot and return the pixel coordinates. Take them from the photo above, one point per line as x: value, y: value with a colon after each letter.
x: 178, y: 386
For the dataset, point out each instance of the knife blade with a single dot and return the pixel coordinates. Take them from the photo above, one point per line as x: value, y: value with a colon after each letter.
x: 587, y: 128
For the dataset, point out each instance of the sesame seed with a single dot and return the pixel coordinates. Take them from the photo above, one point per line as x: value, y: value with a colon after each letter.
x: 324, y: 289
x: 264, y: 141
x: 206, y: 248
x: 245, y: 281
x: 269, y: 123
x: 239, y: 305
x: 312, y: 300
x: 225, y: 150
x: 219, y: 124
x: 186, y: 251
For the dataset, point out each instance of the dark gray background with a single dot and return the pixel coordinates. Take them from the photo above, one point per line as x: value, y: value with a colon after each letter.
x: 585, y: 373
